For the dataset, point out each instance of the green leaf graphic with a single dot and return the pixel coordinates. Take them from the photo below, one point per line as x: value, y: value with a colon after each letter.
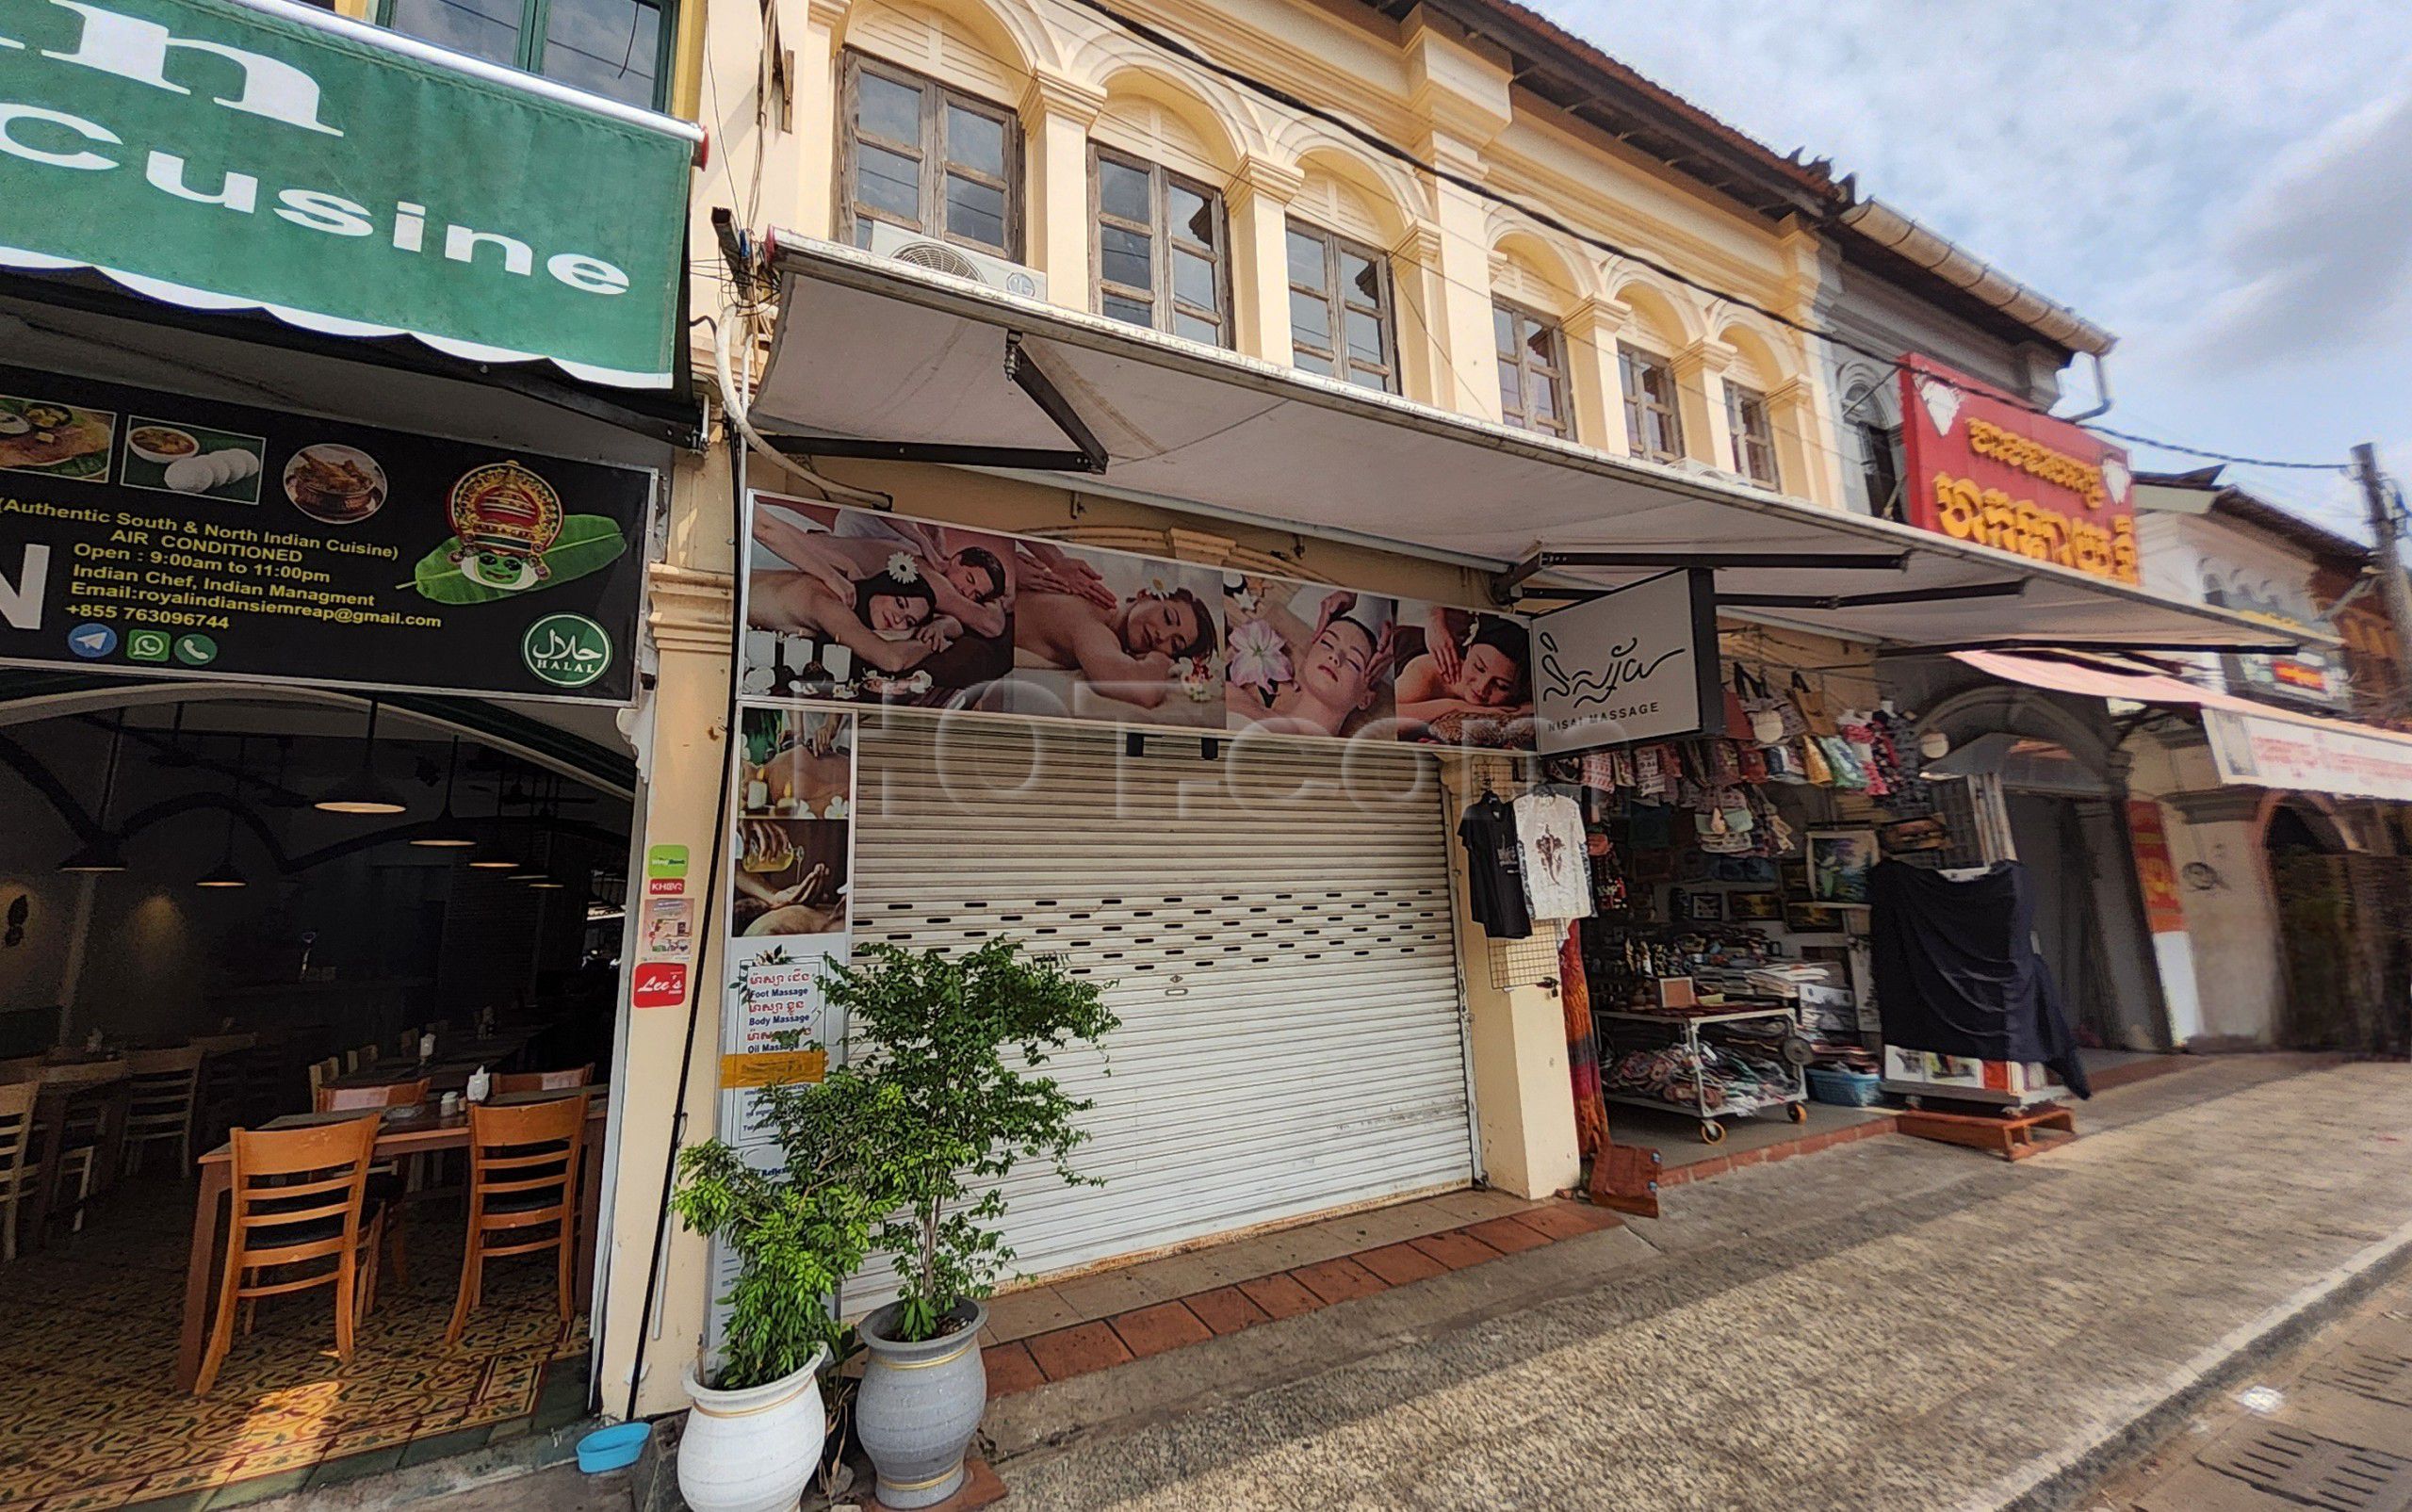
x: 588, y: 543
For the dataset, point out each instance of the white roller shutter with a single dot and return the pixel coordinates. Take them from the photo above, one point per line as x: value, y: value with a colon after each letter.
x: 1278, y: 940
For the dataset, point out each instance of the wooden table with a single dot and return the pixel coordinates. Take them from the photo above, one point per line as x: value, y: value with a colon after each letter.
x: 425, y: 1132
x: 442, y: 1075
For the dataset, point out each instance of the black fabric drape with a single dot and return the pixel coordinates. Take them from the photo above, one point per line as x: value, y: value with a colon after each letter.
x: 1957, y: 972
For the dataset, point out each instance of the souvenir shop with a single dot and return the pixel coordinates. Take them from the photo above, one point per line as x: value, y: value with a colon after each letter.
x: 1723, y: 914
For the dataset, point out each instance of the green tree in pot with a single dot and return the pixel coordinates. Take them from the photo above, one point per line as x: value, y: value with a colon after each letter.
x: 957, y: 1045
x: 799, y: 1226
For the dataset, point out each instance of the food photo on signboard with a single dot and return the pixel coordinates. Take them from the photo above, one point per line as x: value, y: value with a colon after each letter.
x: 847, y: 603
x: 792, y: 842
x: 1465, y: 677
x: 1108, y: 634
x: 1306, y: 659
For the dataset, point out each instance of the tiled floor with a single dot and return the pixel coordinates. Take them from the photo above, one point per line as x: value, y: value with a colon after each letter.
x: 1096, y: 1321
x: 88, y: 1339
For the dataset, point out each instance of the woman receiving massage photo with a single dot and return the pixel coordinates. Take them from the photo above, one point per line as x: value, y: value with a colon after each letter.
x: 1470, y: 682
x: 1336, y: 669
x: 888, y: 621
x: 967, y: 581
x: 1125, y: 649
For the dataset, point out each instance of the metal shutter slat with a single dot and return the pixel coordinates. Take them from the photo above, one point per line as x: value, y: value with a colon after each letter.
x: 1283, y: 961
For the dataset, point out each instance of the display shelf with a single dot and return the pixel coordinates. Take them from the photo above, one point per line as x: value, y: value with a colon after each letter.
x: 1690, y: 1022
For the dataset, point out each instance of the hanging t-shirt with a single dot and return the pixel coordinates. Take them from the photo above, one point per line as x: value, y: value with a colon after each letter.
x: 1494, y: 869
x: 1557, y: 874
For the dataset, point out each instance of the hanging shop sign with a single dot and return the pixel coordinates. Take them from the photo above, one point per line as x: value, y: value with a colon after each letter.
x: 2347, y: 760
x: 1636, y: 664
x: 263, y: 155
x: 863, y: 606
x: 2155, y: 871
x: 1986, y: 469
x: 158, y: 534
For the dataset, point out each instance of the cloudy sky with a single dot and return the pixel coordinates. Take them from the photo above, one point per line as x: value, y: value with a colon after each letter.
x: 2227, y: 183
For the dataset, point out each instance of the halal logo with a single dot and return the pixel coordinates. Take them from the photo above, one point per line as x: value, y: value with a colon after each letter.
x: 567, y: 650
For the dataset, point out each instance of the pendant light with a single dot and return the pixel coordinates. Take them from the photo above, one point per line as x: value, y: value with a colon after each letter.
x: 175, y: 757
x: 492, y: 854
x: 101, y: 852
x: 364, y: 791
x: 226, y: 873
x: 536, y: 872
x: 449, y: 833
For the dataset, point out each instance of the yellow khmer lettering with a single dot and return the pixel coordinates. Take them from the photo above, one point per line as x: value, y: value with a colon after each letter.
x: 1989, y: 517
x: 2037, y: 460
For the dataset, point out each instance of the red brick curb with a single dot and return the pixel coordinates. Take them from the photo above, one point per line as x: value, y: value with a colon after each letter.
x: 1674, y: 1176
x: 1064, y: 1353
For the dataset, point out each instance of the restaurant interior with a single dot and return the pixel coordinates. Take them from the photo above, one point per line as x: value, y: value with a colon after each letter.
x: 381, y: 936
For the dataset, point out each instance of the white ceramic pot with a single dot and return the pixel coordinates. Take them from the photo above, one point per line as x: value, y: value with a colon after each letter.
x: 753, y: 1450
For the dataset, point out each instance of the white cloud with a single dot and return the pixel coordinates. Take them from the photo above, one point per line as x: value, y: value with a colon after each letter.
x: 2321, y: 256
x: 2202, y: 176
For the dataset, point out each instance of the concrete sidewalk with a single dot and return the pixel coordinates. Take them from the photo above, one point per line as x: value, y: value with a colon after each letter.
x: 1891, y: 1324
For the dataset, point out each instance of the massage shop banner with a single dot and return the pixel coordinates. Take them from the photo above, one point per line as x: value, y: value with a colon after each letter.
x: 852, y: 606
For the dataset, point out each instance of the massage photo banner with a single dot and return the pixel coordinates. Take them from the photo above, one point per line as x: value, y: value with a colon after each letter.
x: 860, y: 606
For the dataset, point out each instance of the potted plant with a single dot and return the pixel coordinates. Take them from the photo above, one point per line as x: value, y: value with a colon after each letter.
x: 954, y: 1047
x: 799, y: 1225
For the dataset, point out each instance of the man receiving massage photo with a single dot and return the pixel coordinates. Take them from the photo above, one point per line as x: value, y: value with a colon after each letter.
x: 1124, y: 648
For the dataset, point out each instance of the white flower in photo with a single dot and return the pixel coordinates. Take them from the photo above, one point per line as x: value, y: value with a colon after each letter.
x: 1259, y: 660
x: 901, y: 567
x: 1244, y: 601
x: 837, y: 807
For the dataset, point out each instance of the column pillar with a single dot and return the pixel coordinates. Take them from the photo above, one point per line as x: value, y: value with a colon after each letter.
x: 1258, y: 204
x: 1057, y: 115
x: 1461, y: 94
x: 1699, y: 388
x: 1592, y: 329
x: 1800, y: 459
x: 1516, y: 1048
x: 690, y: 601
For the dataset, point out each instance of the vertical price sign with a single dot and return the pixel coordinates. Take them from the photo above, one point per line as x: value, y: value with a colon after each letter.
x: 790, y: 859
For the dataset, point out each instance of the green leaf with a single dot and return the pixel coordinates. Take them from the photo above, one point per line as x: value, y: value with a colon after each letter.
x: 588, y: 543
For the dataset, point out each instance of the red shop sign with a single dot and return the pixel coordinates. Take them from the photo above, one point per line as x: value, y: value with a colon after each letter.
x: 1985, y: 470
x: 659, y: 985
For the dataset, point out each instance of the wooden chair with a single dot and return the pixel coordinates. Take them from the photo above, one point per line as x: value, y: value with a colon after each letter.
x: 299, y: 1197
x: 20, y: 1177
x: 387, y: 1095
x: 160, y: 1103
x: 523, y: 1193
x: 388, y: 1182
x: 322, y: 1072
x: 569, y: 1080
x: 354, y: 1060
x: 225, y: 1076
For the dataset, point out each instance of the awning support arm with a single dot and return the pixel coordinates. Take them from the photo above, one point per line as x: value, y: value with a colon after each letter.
x: 2105, y: 647
x: 1904, y: 595
x: 1541, y: 561
x: 1088, y: 456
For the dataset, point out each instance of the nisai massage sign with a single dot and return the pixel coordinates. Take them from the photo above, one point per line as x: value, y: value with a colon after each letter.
x: 1983, y: 468
x: 264, y: 154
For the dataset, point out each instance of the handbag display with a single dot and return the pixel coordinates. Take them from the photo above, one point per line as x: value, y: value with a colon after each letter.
x: 1815, y: 718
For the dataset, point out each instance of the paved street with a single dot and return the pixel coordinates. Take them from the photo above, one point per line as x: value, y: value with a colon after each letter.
x: 1890, y: 1324
x: 2340, y: 1402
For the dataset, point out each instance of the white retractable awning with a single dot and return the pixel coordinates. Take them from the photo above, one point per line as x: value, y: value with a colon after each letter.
x: 871, y: 350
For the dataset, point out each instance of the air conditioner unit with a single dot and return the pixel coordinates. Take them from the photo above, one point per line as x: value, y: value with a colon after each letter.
x: 986, y: 270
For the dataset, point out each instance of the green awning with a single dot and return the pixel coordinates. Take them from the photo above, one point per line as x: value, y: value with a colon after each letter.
x: 262, y: 154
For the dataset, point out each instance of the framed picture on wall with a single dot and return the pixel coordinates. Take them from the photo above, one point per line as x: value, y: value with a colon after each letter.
x: 1840, y: 862
x: 1792, y: 881
x: 1755, y: 907
x: 1816, y: 918
x: 1701, y: 908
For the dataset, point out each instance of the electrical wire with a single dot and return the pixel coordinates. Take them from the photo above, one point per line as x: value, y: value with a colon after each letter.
x: 1165, y: 42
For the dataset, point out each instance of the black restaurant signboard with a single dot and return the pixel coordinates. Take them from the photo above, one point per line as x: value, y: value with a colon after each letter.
x: 153, y: 533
